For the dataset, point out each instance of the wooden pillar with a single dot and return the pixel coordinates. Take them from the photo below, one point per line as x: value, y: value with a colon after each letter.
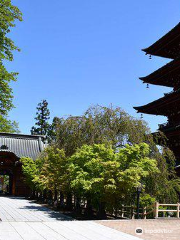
x: 122, y: 211
x: 144, y: 212
x: 178, y: 210
x: 133, y: 213
x: 14, y: 183
x: 10, y: 183
x: 156, y: 209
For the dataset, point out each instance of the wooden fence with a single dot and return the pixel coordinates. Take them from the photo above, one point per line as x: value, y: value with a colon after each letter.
x: 153, y: 211
x: 174, y: 208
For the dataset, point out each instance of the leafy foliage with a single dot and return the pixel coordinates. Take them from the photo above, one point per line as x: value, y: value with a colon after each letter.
x: 100, y: 173
x: 8, y: 125
x: 8, y: 15
x: 30, y: 171
x: 100, y: 125
x: 165, y: 185
x: 53, y: 173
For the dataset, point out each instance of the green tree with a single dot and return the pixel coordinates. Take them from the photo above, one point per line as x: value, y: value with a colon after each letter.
x: 165, y: 186
x: 30, y: 171
x: 107, y: 178
x: 7, y: 125
x: 8, y: 15
x: 48, y: 172
x: 100, y: 125
x: 42, y: 116
x: 53, y: 173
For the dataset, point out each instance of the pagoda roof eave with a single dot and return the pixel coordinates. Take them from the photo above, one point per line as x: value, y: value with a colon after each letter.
x: 159, y: 107
x: 142, y: 109
x: 146, y: 80
x: 164, y: 76
x: 164, y: 46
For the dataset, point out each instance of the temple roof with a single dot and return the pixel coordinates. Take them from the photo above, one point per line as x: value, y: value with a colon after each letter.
x: 168, y: 46
x: 21, y: 145
x: 168, y: 75
x: 163, y: 106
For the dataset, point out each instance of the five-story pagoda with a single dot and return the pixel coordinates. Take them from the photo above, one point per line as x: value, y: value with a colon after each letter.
x: 169, y: 75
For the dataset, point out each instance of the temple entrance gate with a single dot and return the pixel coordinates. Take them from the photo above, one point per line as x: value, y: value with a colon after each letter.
x: 12, y: 148
x: 11, y: 177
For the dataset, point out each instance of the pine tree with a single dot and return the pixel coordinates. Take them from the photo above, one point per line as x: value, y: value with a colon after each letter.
x: 42, y: 116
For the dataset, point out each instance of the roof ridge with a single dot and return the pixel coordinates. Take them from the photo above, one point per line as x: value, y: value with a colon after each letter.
x: 19, y: 135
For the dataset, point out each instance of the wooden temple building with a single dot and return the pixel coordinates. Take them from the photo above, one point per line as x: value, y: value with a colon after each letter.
x: 12, y: 148
x: 169, y: 75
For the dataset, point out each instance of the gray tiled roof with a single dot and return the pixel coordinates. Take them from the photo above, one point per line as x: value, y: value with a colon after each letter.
x: 21, y: 145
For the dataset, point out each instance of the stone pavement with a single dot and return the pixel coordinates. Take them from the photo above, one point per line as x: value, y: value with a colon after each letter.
x: 25, y: 220
x: 153, y: 229
x: 22, y: 210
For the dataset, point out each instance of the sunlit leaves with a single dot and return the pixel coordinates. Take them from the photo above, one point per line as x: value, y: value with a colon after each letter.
x: 7, y: 125
x: 100, y: 172
x: 8, y: 16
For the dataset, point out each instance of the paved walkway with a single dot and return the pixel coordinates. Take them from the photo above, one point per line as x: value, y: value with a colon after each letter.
x: 25, y: 220
x: 152, y: 229
x: 15, y: 209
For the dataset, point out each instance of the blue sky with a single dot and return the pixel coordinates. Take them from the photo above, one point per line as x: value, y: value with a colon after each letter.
x: 84, y: 52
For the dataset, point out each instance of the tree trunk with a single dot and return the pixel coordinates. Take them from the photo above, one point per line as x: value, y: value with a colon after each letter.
x: 101, y: 214
x: 69, y: 202
x: 33, y: 194
x: 61, y: 199
x: 40, y: 196
x: 50, y: 197
x: 89, y: 209
x: 55, y: 198
x: 45, y: 195
x: 55, y: 195
x: 36, y: 195
x: 78, y: 206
